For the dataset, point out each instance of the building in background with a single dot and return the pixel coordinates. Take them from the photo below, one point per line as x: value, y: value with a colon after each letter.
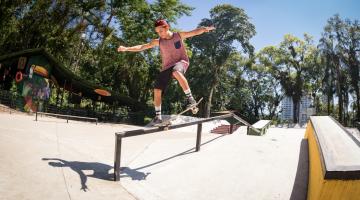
x: 306, y: 109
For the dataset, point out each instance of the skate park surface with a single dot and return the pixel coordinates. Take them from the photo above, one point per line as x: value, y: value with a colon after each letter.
x: 52, y: 159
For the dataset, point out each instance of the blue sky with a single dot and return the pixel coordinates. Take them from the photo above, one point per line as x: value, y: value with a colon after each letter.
x: 275, y: 18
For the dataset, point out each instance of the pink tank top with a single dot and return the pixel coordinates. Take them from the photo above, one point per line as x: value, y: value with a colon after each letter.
x: 173, y: 51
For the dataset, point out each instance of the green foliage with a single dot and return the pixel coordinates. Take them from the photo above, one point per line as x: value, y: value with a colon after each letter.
x: 291, y: 63
x: 212, y: 51
x: 340, y: 47
x: 225, y: 70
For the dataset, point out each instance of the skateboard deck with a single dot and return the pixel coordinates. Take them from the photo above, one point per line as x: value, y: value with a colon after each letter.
x: 194, y: 109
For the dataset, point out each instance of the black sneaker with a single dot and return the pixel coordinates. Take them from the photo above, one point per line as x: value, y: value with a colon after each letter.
x: 191, y: 102
x: 157, y: 120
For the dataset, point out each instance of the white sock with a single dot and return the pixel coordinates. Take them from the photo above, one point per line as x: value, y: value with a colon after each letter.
x: 158, y: 111
x: 188, y: 93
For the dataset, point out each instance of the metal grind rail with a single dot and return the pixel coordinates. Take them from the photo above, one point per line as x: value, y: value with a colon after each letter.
x: 120, y: 135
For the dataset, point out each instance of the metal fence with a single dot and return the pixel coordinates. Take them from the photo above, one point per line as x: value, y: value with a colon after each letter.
x: 67, y: 117
x: 12, y: 102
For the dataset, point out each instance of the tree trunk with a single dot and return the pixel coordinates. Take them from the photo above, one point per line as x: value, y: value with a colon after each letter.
x: 262, y: 113
x: 339, y: 91
x: 329, y: 97
x: 273, y: 111
x: 357, y: 93
x: 354, y: 75
x: 295, y: 110
x: 341, y: 105
x: 346, y: 106
x: 318, y: 105
x: 357, y: 105
x: 208, y: 103
x: 256, y: 108
x: 212, y: 90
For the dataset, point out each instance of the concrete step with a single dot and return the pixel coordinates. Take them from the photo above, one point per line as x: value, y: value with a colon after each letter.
x: 224, y: 129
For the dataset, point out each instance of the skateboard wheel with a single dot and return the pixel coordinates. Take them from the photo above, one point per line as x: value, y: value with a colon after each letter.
x: 195, y: 110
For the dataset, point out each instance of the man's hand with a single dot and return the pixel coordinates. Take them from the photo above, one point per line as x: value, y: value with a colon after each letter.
x: 122, y: 49
x: 208, y: 28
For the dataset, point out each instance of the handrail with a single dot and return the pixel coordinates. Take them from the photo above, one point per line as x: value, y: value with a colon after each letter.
x: 120, y: 135
x: 157, y: 129
x: 67, y: 117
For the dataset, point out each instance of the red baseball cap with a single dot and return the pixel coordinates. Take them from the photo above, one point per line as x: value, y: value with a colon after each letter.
x: 161, y: 22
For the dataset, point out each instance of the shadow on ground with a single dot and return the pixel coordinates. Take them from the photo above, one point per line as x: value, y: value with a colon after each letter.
x: 299, y: 191
x: 135, y: 174
x: 100, y: 170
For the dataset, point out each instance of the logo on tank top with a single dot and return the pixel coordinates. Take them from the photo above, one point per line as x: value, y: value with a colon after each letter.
x: 177, y: 44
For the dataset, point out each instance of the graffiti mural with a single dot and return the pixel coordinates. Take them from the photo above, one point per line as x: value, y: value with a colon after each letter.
x: 34, y: 85
x: 28, y: 77
x: 35, y: 89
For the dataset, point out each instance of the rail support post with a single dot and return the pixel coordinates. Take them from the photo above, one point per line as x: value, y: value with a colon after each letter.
x: 198, y: 137
x: 117, y: 159
x: 36, y: 115
x: 231, y: 128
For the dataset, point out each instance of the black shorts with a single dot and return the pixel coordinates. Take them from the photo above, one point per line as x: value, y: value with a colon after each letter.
x: 163, y: 79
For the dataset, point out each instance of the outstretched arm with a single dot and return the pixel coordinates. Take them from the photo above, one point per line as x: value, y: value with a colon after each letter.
x: 197, y: 31
x: 140, y: 47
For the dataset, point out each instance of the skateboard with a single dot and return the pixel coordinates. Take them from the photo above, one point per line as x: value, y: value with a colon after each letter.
x: 194, y: 109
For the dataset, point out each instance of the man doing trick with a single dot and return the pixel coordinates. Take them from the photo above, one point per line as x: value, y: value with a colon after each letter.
x: 175, y: 61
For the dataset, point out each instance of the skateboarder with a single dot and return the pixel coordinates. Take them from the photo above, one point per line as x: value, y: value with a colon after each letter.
x: 175, y: 61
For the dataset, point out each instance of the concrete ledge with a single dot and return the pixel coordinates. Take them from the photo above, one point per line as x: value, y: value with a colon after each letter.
x: 334, y: 156
x: 259, y: 128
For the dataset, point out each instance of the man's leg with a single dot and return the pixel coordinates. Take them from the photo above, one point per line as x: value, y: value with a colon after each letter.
x: 160, y: 86
x: 185, y: 86
x: 157, y: 102
x: 181, y: 79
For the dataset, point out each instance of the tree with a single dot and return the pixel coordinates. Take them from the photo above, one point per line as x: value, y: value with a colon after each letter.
x: 270, y: 88
x: 340, y: 46
x: 211, y: 51
x: 349, y: 46
x: 59, y: 26
x: 290, y: 64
